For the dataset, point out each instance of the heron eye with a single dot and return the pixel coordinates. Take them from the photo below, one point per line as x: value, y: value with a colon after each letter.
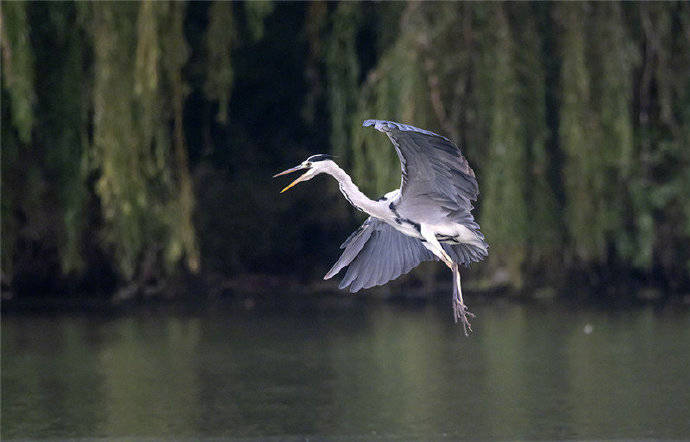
x: 308, y: 164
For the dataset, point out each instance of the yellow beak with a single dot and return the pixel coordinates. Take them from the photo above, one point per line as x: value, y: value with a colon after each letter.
x: 294, y: 169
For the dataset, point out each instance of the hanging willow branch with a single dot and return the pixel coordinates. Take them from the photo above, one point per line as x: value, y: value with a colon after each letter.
x: 144, y: 185
x: 220, y: 38
x: 18, y: 66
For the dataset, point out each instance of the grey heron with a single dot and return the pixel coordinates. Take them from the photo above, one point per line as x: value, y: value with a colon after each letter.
x: 428, y: 218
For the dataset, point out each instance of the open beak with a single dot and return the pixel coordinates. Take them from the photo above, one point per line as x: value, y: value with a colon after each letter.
x: 294, y: 169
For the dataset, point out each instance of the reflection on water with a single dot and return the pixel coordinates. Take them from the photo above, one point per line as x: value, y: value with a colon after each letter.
x: 360, y: 369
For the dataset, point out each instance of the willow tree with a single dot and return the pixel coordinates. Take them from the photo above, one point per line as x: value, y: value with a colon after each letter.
x: 613, y: 59
x: 660, y: 175
x: 17, y: 89
x: 394, y: 90
x: 256, y: 13
x: 543, y: 230
x: 596, y: 131
x: 504, y: 210
x: 144, y: 184
x: 582, y: 173
x: 469, y: 72
x: 342, y: 68
x: 55, y: 95
x: 63, y: 104
x: 18, y: 66
x: 220, y: 37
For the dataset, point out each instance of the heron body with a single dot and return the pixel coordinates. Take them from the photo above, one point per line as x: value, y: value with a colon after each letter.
x: 428, y: 218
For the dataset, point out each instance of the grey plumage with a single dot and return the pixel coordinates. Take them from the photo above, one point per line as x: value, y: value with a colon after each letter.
x: 428, y: 218
x: 398, y: 255
x: 376, y: 253
x: 437, y: 181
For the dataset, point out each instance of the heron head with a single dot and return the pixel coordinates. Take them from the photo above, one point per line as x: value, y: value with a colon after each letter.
x: 313, y: 165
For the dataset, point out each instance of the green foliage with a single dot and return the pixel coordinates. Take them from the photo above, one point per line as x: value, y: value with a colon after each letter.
x: 183, y: 241
x: 144, y: 184
x: 574, y: 116
x: 63, y: 103
x: 18, y: 97
x: 394, y: 90
x: 56, y: 93
x: 596, y: 124
x: 18, y: 66
x: 390, y: 93
x: 121, y: 185
x: 505, y: 182
x: 342, y: 68
x: 478, y: 72
x: 219, y: 41
x: 660, y: 180
x: 615, y: 60
x: 256, y: 12
x: 583, y: 175
x: 10, y: 226
x: 542, y: 227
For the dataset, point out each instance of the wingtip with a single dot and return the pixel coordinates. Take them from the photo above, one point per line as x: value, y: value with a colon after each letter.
x: 332, y: 272
x: 387, y: 126
x: 379, y: 125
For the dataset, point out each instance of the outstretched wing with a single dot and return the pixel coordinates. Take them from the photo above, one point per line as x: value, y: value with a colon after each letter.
x: 437, y: 180
x: 376, y: 253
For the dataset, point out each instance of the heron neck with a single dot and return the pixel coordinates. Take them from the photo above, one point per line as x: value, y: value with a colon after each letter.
x: 352, y: 193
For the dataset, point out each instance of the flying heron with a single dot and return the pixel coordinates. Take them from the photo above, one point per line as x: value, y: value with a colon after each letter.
x: 428, y: 218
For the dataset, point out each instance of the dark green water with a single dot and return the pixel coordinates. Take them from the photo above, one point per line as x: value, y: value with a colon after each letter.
x: 347, y: 368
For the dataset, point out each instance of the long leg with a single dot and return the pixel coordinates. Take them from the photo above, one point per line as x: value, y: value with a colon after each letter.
x: 460, y: 311
x: 434, y: 246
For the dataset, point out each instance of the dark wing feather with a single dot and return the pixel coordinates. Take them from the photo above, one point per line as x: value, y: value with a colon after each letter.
x: 377, y: 253
x: 465, y: 253
x: 352, y: 245
x: 437, y: 180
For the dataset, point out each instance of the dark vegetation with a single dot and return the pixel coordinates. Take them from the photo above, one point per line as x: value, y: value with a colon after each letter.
x: 138, y: 139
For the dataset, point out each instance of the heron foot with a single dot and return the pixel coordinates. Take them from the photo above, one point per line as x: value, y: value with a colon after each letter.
x: 461, y: 313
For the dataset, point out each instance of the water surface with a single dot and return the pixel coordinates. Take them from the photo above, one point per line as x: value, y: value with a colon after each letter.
x: 349, y: 367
